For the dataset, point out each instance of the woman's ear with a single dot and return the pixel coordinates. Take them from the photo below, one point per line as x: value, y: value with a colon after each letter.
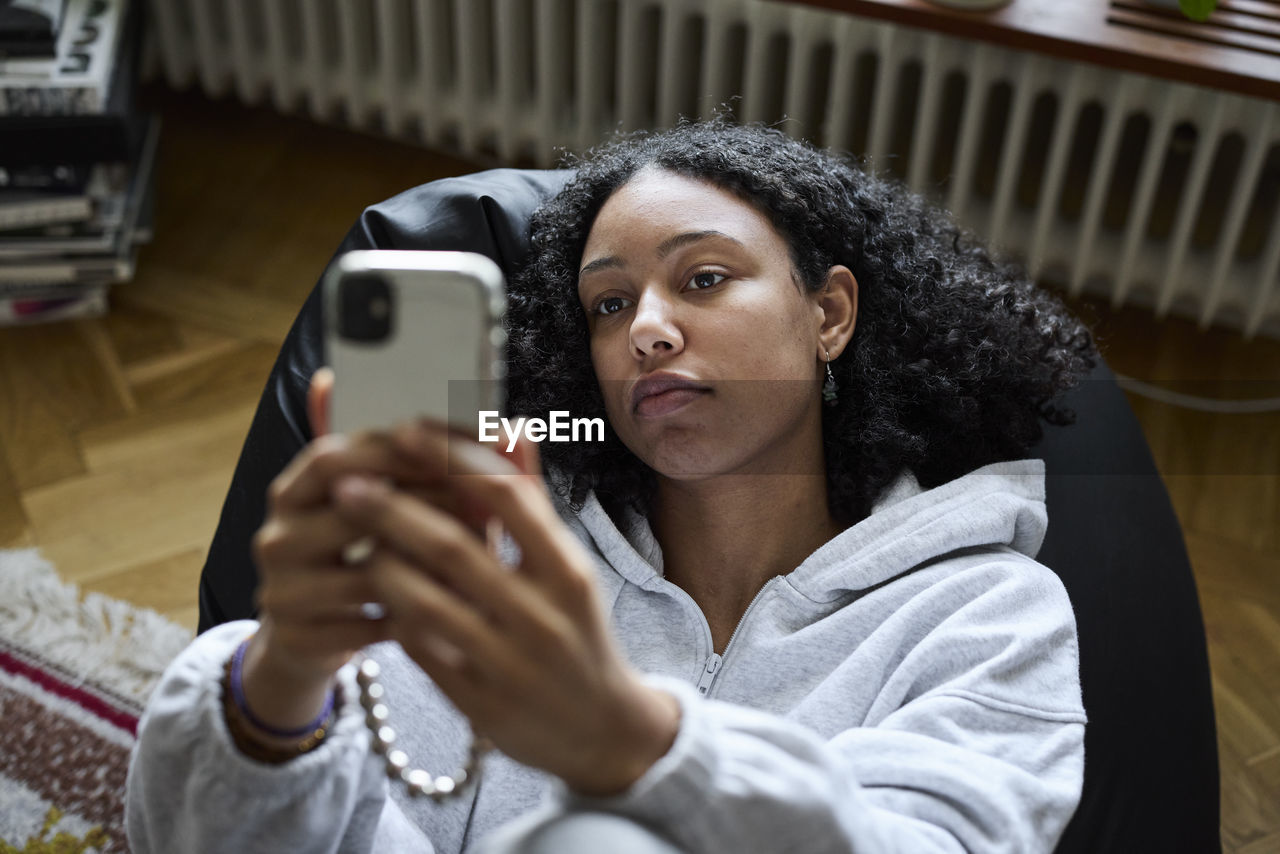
x: 838, y: 300
x: 319, y: 394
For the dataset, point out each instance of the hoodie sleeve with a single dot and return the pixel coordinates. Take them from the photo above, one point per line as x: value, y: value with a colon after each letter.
x: 975, y: 744
x: 190, y: 789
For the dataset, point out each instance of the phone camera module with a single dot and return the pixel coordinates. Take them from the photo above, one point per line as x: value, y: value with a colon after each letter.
x: 366, y: 303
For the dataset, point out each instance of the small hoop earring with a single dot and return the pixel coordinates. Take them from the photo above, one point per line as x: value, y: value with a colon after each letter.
x: 829, y: 387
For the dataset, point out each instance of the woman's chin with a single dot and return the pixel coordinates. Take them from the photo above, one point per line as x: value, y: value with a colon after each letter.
x: 685, y: 468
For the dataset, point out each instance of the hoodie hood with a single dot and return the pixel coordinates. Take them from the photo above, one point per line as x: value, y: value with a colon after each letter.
x: 997, y: 506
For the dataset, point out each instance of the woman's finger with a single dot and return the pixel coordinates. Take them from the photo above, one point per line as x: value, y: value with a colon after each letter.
x: 321, y: 536
x: 492, y: 482
x: 317, y: 536
x: 549, y: 552
x: 317, y: 593
x: 422, y: 613
x: 443, y: 498
x: 306, y: 481
x: 432, y: 539
x: 456, y: 558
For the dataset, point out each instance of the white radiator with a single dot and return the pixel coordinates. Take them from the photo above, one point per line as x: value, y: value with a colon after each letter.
x: 1105, y: 182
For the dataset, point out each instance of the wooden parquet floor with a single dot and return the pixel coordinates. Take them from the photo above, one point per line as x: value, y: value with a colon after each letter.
x: 119, y: 434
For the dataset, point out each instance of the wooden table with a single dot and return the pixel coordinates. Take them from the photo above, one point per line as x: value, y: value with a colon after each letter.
x: 1236, y: 50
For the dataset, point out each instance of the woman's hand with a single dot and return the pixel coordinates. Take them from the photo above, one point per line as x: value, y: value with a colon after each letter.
x: 309, y: 599
x: 525, y: 652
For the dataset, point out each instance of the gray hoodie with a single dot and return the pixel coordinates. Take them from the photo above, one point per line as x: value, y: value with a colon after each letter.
x: 911, y: 687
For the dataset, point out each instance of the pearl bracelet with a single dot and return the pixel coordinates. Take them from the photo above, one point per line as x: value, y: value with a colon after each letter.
x: 417, y: 781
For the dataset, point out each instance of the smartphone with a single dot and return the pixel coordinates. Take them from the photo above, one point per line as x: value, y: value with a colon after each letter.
x: 414, y: 334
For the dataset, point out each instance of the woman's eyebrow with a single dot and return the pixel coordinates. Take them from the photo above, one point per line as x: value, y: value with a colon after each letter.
x: 664, y: 249
x: 671, y: 244
x: 606, y: 263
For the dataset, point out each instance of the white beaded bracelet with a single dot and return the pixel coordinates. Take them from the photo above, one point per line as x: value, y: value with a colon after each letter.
x: 417, y: 781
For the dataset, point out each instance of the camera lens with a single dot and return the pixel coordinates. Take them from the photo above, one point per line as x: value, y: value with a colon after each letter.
x: 367, y: 306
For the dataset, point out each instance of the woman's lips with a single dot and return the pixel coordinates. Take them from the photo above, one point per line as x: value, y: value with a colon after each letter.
x: 663, y: 393
x: 666, y: 402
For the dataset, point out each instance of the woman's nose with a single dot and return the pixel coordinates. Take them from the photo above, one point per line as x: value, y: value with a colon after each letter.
x: 653, y: 326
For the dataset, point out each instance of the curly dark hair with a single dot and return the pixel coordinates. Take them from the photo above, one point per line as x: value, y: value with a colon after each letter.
x: 955, y: 358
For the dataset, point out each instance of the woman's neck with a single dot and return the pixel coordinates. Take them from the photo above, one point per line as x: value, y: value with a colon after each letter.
x: 722, y: 539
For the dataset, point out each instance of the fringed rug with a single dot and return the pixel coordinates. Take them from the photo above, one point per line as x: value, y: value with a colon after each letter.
x: 74, y: 677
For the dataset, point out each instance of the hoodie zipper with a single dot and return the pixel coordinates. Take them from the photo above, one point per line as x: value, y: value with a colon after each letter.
x: 711, y: 668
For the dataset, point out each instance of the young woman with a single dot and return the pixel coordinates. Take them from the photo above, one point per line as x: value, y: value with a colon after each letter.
x: 790, y: 602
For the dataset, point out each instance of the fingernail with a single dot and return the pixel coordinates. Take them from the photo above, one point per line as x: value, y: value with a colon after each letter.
x: 354, y: 489
x: 331, y: 442
x: 472, y: 457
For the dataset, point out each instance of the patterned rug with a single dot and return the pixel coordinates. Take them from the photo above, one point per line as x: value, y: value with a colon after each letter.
x: 74, y: 675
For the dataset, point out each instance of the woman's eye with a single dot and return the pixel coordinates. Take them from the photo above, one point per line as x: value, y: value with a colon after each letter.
x: 702, y: 281
x: 611, y: 305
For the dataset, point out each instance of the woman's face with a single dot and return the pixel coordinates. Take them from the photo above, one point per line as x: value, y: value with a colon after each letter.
x: 705, y: 344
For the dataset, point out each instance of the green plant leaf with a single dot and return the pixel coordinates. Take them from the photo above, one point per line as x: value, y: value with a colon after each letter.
x: 1197, y: 10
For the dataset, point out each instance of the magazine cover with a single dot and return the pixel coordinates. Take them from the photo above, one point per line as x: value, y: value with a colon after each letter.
x: 48, y: 306
x: 77, y: 80
x: 101, y: 198
x: 68, y: 178
x: 42, y: 273
x: 113, y: 134
x: 29, y: 28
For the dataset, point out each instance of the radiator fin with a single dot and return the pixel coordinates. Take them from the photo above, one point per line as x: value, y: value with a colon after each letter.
x: 1104, y: 182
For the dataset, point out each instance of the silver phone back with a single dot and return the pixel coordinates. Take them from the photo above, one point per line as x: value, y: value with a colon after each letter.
x: 444, y: 355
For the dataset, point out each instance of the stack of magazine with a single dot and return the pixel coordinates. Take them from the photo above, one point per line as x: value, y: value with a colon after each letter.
x: 77, y: 158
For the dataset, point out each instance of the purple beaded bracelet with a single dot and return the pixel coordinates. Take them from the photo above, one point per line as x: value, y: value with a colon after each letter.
x: 237, y: 695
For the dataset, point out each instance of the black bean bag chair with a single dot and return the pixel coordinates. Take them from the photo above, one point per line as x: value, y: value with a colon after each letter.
x: 1151, y: 764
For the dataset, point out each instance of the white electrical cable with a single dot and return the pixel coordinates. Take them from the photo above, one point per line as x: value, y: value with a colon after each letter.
x: 1203, y: 404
